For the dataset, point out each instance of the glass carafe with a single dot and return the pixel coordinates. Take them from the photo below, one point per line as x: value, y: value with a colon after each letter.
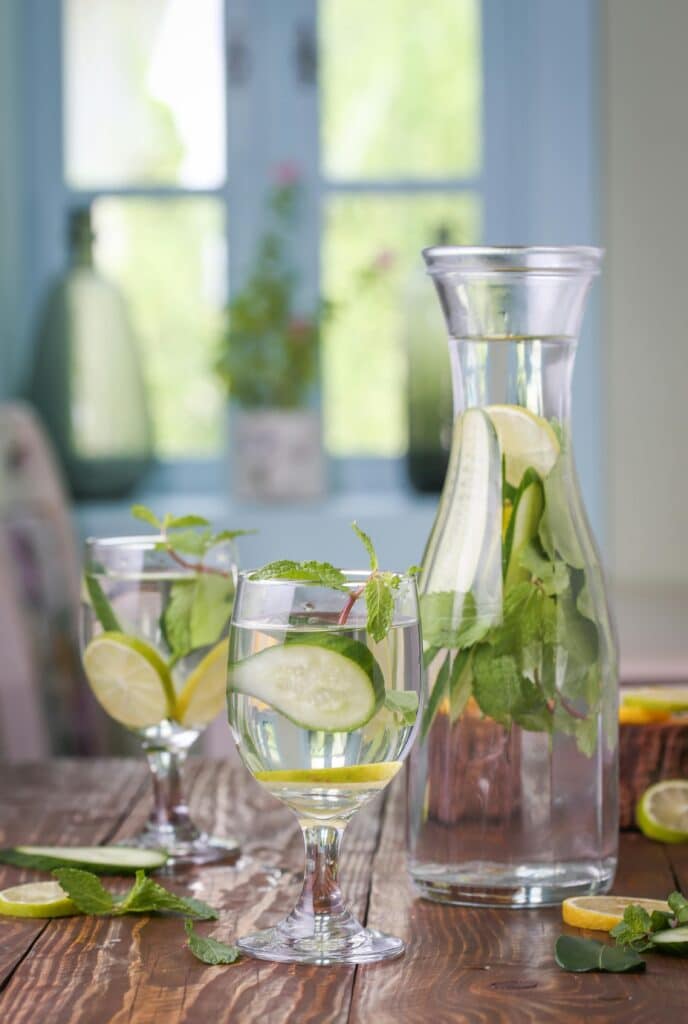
x: 513, y: 784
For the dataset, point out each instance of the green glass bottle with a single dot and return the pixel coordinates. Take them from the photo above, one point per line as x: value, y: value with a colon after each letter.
x: 87, y: 382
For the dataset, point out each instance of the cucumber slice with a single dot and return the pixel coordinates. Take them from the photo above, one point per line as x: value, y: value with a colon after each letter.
x: 529, y: 505
x: 318, y: 681
x: 455, y: 545
x: 675, y: 940
x: 103, y: 860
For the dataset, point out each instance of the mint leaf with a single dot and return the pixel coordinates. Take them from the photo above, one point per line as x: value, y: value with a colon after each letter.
x: 404, y: 703
x: 176, y: 618
x: 380, y: 606
x: 211, y: 608
x: 635, y: 928
x: 553, y: 575
x: 319, y: 573
x: 147, y: 896
x: 179, y: 522
x: 679, y: 907
x: 146, y: 515
x: 101, y: 606
x: 368, y: 545
x: 452, y: 620
x: 86, y: 890
x: 188, y: 542
x: 530, y: 710
x: 496, y: 684
x: 210, y: 951
x: 224, y: 535
x: 581, y: 955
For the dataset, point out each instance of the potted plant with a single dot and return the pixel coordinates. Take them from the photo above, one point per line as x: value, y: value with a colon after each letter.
x: 268, y: 363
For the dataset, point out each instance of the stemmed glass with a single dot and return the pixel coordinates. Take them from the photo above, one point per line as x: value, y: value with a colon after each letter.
x: 154, y: 629
x: 323, y: 716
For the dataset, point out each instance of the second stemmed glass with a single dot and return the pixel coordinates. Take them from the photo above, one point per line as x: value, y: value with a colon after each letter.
x: 154, y: 643
x: 323, y: 716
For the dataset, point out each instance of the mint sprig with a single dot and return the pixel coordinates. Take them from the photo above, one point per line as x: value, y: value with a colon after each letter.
x: 145, y: 896
x: 638, y: 928
x: 199, y: 607
x: 208, y: 950
x: 378, y: 589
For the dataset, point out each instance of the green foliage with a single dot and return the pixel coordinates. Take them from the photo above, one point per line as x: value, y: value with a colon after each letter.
x: 538, y: 667
x: 199, y: 607
x: 207, y: 950
x: 269, y: 352
x: 581, y: 955
x: 102, y: 608
x: 144, y: 897
x: 320, y: 574
x: 403, y: 703
x: 640, y: 930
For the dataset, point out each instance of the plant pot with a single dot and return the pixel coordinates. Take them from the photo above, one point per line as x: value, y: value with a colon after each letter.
x: 277, y: 454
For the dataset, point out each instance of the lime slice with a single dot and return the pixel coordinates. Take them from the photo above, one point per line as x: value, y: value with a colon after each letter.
x: 662, y: 811
x: 129, y: 679
x: 656, y: 698
x: 369, y: 775
x: 204, y: 693
x: 602, y: 913
x: 526, y: 440
x: 36, y: 899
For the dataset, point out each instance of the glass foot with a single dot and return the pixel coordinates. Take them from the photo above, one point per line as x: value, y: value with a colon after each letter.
x: 347, y: 942
x: 186, y: 850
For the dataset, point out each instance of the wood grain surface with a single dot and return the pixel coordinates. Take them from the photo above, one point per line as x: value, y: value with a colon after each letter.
x: 461, y: 965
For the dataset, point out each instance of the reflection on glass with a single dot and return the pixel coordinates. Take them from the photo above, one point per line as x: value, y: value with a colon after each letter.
x: 363, y: 357
x: 169, y: 259
x: 401, y: 88
x: 144, y: 93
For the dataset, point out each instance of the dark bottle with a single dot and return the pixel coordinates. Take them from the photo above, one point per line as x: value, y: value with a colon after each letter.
x: 87, y: 381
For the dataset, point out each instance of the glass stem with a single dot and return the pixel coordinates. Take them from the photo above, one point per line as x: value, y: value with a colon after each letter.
x: 321, y: 897
x: 170, y: 811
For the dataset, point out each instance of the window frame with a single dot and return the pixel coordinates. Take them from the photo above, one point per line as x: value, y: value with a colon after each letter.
x: 542, y: 192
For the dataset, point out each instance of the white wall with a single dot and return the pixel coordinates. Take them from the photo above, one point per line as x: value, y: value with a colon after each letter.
x: 645, y: 71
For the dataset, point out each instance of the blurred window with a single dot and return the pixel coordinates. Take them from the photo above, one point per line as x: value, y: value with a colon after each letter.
x: 389, y: 149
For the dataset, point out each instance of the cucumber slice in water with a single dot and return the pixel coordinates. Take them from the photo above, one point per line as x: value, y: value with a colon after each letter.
x: 456, y: 544
x: 318, y: 681
x: 529, y: 505
x: 104, y: 860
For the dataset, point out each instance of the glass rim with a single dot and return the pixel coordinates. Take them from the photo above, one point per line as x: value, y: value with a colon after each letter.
x: 353, y: 577
x: 513, y: 259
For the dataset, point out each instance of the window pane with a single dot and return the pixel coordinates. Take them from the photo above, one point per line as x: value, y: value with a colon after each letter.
x: 168, y: 257
x: 401, y: 88
x: 144, y: 92
x: 364, y: 404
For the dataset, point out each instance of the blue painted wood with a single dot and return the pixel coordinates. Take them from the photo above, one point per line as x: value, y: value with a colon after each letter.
x: 543, y: 173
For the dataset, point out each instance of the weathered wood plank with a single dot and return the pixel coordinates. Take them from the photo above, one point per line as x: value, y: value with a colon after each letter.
x: 471, y: 965
x: 137, y: 970
x: 70, y: 801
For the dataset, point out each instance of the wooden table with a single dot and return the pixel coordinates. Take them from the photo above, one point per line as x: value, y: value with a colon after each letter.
x: 461, y: 964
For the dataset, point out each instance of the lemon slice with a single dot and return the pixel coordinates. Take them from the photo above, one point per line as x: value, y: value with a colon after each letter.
x: 37, y: 899
x: 370, y: 775
x: 641, y: 716
x: 526, y: 440
x: 656, y: 698
x: 204, y: 693
x: 130, y: 679
x: 662, y: 811
x: 602, y: 913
